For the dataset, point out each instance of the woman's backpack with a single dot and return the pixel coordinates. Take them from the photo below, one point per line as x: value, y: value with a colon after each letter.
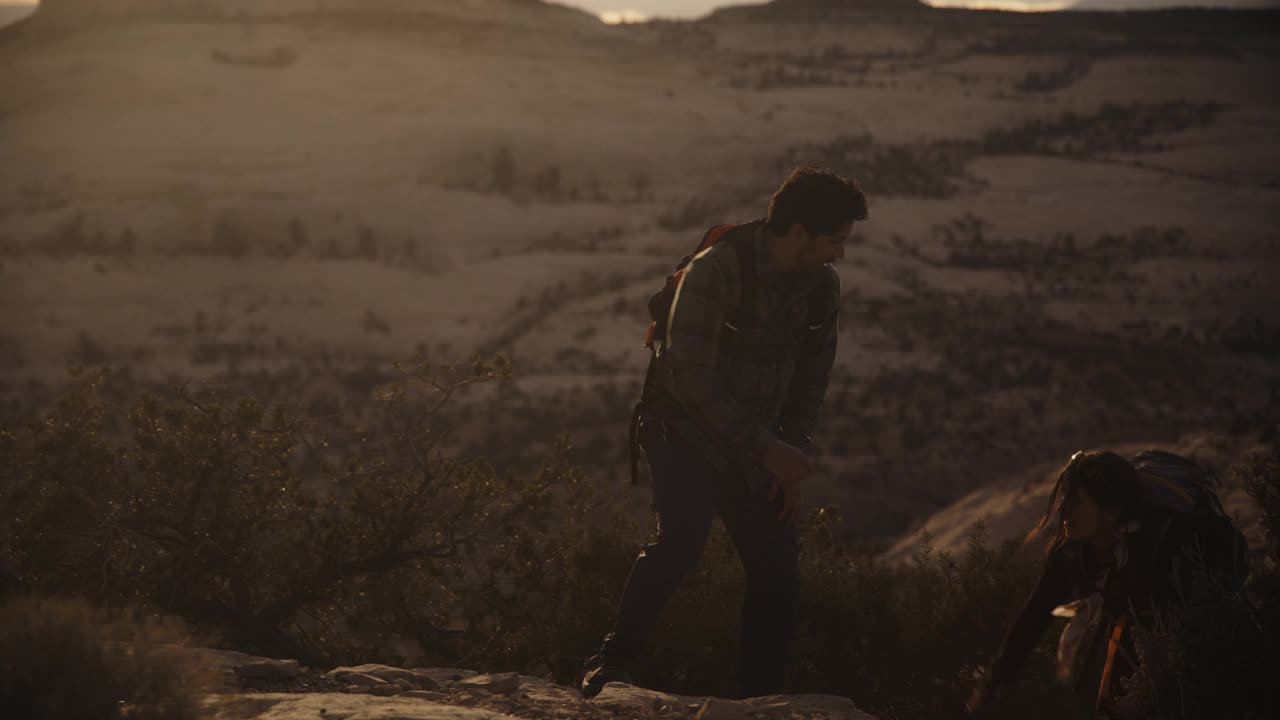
x: 1175, y: 486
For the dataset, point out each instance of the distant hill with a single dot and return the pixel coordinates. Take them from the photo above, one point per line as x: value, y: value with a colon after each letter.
x: 812, y: 9
x: 803, y: 10
x: 508, y: 12
x: 1141, y: 5
x: 10, y: 14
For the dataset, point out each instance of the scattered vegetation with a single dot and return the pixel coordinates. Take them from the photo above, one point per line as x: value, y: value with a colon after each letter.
x: 278, y: 57
x: 938, y: 169
x: 1113, y: 129
x: 1101, y: 35
x: 381, y: 543
x: 63, y: 659
x: 1057, y: 79
x: 922, y: 170
x: 196, y: 506
x: 694, y: 211
x: 1062, y: 259
x: 781, y: 76
x: 505, y: 175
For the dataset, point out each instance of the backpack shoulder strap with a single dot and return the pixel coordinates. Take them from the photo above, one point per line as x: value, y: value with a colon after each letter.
x: 713, y: 236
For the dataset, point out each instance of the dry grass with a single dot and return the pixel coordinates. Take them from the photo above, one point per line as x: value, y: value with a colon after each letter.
x: 63, y: 659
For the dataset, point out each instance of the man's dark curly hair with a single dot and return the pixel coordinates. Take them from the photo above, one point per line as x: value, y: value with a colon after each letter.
x: 820, y: 200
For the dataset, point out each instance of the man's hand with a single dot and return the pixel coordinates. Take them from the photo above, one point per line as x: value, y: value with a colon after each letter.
x: 789, y: 466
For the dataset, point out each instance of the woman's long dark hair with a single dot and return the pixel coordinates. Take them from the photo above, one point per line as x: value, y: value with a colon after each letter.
x: 1108, y: 478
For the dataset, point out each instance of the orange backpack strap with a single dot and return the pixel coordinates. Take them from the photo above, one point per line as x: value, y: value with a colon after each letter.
x: 1109, y: 668
x: 713, y: 236
x: 661, y: 301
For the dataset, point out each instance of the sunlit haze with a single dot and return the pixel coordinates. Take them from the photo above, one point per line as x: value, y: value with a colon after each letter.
x: 615, y: 11
x: 629, y: 11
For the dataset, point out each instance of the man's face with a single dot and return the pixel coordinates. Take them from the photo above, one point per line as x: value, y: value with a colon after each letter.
x: 822, y: 249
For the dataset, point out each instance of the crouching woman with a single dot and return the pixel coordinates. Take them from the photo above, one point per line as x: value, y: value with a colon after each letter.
x: 1117, y: 560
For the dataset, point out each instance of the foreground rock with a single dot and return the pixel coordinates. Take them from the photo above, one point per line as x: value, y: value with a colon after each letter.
x: 383, y: 692
x: 331, y: 706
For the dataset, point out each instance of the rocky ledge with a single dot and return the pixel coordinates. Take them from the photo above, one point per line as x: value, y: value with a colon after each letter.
x: 285, y: 690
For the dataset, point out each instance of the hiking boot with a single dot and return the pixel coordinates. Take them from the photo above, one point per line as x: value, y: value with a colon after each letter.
x: 599, y: 674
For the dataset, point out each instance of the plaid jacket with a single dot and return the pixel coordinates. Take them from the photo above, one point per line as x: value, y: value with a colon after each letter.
x: 736, y: 400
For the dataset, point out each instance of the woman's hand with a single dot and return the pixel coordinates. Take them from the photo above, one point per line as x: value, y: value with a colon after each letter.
x: 983, y: 697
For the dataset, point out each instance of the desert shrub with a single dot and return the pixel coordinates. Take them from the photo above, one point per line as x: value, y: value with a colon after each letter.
x: 915, y: 170
x: 1251, y: 334
x: 291, y: 541
x: 904, y: 641
x: 388, y: 543
x: 1113, y: 129
x: 62, y: 659
x: 230, y: 236
x: 1056, y: 79
x: 548, y: 182
x: 641, y: 184
x: 196, y: 505
x: 879, y: 632
x: 281, y: 56
x: 698, y: 210
x: 776, y: 76
x: 502, y: 171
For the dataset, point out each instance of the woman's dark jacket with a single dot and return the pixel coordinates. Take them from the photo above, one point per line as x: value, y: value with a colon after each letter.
x: 1161, y: 559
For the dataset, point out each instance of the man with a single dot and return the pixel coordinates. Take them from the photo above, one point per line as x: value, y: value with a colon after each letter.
x: 738, y: 383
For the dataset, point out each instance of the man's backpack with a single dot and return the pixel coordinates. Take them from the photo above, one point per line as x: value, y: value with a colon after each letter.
x: 660, y: 310
x: 740, y: 237
x: 660, y: 302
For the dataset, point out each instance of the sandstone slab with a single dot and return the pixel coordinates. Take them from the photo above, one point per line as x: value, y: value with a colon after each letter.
x: 335, y: 706
x: 502, y: 684
x: 446, y: 676
x: 426, y: 695
x: 359, y: 679
x: 268, y: 669
x: 829, y: 707
x: 719, y: 709
x: 624, y: 698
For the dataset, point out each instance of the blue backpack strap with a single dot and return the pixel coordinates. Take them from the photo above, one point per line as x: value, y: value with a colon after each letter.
x: 1175, y: 483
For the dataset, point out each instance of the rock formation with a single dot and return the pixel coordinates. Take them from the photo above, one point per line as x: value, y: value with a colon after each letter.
x: 284, y: 690
x: 519, y: 12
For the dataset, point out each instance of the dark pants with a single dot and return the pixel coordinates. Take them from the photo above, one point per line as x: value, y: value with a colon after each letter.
x: 687, y: 493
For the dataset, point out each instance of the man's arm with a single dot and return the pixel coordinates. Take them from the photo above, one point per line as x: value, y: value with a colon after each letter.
x: 813, y: 370
x: 692, y: 352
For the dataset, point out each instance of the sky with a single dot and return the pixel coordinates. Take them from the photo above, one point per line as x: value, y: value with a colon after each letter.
x: 614, y: 11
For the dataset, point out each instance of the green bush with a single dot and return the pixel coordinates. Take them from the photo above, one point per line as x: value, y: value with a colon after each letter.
x: 62, y: 659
